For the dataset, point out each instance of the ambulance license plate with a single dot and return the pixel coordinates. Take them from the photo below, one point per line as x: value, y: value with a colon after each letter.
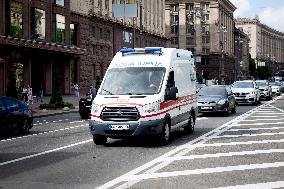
x: 119, y: 127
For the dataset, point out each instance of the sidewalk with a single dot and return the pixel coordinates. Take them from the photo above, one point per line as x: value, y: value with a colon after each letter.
x: 43, y: 113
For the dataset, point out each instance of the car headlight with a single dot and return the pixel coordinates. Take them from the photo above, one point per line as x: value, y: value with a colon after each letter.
x: 221, y: 102
x: 152, y: 107
x: 95, y: 108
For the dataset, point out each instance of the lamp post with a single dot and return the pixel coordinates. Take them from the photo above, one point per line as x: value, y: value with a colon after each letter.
x: 222, y: 30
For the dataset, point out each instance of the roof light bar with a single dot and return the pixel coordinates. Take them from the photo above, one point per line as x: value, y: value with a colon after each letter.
x: 153, y: 50
x: 126, y: 50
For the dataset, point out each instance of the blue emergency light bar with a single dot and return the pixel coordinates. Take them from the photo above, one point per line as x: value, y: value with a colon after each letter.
x: 146, y: 50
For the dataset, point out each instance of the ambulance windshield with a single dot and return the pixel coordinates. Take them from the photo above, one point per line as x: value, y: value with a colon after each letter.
x: 133, y: 81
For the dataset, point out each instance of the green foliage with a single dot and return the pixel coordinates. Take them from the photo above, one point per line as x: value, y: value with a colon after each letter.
x: 55, y: 106
x: 56, y: 97
x: 263, y: 72
x: 252, y: 66
x: 16, y: 31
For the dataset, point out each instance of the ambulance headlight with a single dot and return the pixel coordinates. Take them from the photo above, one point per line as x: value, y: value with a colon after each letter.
x: 153, y: 107
x: 95, y: 108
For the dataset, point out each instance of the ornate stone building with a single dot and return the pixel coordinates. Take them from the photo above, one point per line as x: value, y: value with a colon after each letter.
x: 77, y: 37
x: 104, y: 35
x: 207, y: 29
x: 36, y: 38
x: 266, y: 44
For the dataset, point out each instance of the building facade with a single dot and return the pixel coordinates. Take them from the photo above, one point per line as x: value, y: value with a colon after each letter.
x: 37, y: 41
x: 266, y: 44
x: 241, y: 55
x: 74, y: 38
x: 104, y: 35
x: 207, y: 29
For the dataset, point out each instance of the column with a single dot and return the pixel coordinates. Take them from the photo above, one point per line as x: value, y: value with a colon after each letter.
x: 27, y: 70
x: 67, y: 83
x: 48, y: 77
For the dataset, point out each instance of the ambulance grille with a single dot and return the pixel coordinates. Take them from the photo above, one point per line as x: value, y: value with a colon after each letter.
x: 120, y: 114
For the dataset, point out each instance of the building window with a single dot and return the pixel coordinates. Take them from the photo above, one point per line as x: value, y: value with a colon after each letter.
x: 189, y: 6
x: 16, y: 26
x: 59, y: 2
x: 174, y: 40
x: 205, y: 51
x: 174, y: 23
x: 73, y: 34
x: 37, y: 23
x: 60, y: 28
x: 205, y: 39
x: 190, y: 41
x: 174, y: 7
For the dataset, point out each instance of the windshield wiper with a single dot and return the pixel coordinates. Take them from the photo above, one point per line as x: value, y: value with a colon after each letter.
x: 107, y: 91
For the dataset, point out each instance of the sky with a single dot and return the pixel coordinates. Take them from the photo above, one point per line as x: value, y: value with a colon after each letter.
x: 270, y: 12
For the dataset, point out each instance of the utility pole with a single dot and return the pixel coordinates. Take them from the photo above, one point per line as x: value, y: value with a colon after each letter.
x: 141, y: 24
x: 222, y: 30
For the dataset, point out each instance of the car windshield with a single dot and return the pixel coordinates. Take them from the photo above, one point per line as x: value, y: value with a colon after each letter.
x: 133, y: 81
x: 243, y: 85
x: 275, y: 84
x: 261, y: 83
x: 212, y: 91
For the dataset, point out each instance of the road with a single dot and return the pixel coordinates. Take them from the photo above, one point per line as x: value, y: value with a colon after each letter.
x: 243, y: 149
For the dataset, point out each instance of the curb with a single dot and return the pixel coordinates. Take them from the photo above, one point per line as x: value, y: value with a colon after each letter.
x: 57, y: 113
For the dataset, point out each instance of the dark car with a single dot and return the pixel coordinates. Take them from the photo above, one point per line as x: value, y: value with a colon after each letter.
x: 85, y: 105
x: 216, y: 98
x: 15, y: 115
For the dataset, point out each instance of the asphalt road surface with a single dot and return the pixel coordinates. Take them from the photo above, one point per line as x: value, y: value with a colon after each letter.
x: 242, y: 150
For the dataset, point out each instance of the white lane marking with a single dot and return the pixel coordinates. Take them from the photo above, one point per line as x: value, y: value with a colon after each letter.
x: 278, y: 113
x: 264, y: 185
x: 204, y: 171
x: 201, y: 118
x: 255, y: 124
x: 180, y: 150
x: 52, y: 131
x: 255, y: 129
x: 77, y: 121
x: 264, y: 119
x: 45, y: 152
x: 265, y: 111
x: 228, y: 154
x: 248, y: 135
x: 277, y: 108
x: 264, y: 116
x: 238, y: 143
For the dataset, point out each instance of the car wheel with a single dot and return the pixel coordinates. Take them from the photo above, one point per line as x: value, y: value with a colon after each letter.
x: 99, y: 139
x: 25, y: 128
x: 165, y: 136
x: 189, y: 128
x: 233, y: 111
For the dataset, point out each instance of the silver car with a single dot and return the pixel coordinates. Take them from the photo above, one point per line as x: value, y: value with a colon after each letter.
x: 265, y: 89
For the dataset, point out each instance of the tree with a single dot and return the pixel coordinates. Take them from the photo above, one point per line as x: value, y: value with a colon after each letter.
x: 56, y: 98
x: 263, y: 72
x: 252, y: 67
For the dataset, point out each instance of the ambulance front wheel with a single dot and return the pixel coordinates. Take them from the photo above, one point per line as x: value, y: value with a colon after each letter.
x: 99, y: 139
x: 165, y: 135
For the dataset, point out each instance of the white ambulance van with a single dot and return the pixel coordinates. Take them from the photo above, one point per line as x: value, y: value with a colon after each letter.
x: 145, y: 92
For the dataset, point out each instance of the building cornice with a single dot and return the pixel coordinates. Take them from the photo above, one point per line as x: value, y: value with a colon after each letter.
x: 42, y: 45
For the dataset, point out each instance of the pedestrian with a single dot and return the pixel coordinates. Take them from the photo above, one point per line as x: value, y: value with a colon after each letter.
x: 93, y: 92
x: 77, y: 89
x: 25, y: 94
x: 39, y: 96
x: 30, y: 95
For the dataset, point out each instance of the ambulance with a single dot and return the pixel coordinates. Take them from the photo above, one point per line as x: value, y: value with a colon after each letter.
x: 145, y: 92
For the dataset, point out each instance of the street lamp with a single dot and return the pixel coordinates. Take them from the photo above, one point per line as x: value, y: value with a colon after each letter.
x: 222, y: 30
x: 238, y: 43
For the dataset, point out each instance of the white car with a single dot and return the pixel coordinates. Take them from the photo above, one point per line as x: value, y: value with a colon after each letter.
x: 276, y: 88
x: 246, y: 91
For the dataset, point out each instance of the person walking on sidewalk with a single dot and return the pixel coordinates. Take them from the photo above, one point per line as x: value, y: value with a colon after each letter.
x: 77, y: 89
x: 25, y: 94
x: 39, y: 96
x: 30, y: 95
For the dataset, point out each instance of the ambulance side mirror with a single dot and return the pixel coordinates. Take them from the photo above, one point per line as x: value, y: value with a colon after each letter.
x: 171, y: 93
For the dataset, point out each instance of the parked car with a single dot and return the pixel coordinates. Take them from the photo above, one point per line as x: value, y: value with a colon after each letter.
x: 265, y: 89
x: 15, y: 115
x: 216, y: 98
x: 85, y: 105
x: 246, y: 91
x: 276, y: 88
